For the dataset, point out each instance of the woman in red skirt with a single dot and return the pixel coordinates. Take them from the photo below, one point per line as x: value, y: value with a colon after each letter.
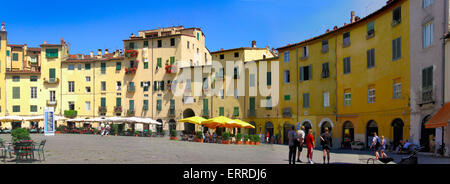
x: 310, y: 145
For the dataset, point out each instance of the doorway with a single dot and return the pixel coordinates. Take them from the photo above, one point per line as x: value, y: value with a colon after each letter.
x: 426, y: 134
x: 348, y: 135
x: 269, y: 130
x: 189, y: 128
x: 397, y: 125
x: 286, y: 128
x: 371, y: 128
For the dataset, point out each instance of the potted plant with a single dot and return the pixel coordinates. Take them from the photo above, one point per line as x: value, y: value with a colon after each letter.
x: 199, y: 137
x: 95, y: 131
x: 115, y: 129
x: 256, y: 139
x: 226, y: 138
x: 150, y: 133
x: 239, y: 138
x: 136, y: 133
x: 163, y: 133
x: 252, y: 139
x: 20, y: 134
x: 173, y: 135
x: 246, y: 138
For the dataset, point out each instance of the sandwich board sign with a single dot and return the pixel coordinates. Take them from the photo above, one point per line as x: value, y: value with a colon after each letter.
x: 49, y: 128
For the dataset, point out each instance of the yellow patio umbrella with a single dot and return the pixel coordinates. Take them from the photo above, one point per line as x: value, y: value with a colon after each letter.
x: 244, y: 124
x: 220, y: 121
x: 194, y: 120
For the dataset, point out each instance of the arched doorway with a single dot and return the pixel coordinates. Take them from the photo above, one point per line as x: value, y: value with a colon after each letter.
x: 324, y: 125
x: 425, y: 134
x: 308, y: 126
x: 348, y: 134
x: 172, y: 125
x: 286, y: 128
x: 370, y: 129
x: 159, y: 128
x: 189, y: 128
x: 397, y: 125
x: 269, y: 129
x: 252, y: 131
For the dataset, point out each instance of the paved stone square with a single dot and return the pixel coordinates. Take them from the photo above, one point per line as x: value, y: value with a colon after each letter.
x: 94, y: 149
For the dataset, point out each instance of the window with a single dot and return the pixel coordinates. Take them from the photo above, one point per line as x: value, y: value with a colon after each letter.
x: 205, y: 83
x: 33, y: 92
x: 7, y: 53
x: 87, y: 105
x: 88, y: 89
x: 87, y: 66
x: 131, y: 105
x: 325, y: 70
x: 198, y: 36
x: 396, y: 49
x: 346, y: 38
x: 269, y: 78
x: 371, y: 58
x: 16, y: 78
x: 103, y: 68
x: 236, y: 74
x: 347, y: 65
x: 397, y: 89
x: 16, y: 92
x: 397, y: 16
x: 72, y: 106
x: 33, y: 59
x: 103, y: 85
x: 252, y: 80
x: 269, y: 103
x: 305, y: 100
x: 51, y: 53
x: 88, y: 78
x: 52, y: 96
x: 15, y: 57
x: 287, y: 57
x: 370, y: 29
x: 33, y: 78
x: 158, y: 63
x: 427, y: 78
x: 118, y: 65
x: 305, y: 52
x: 325, y: 46
x: 172, y: 42
x: 161, y: 85
x: 79, y: 67
x: 287, y: 76
x: 236, y: 54
x: 52, y: 74
x: 118, y: 102
x: 159, y: 43
x: 236, y: 93
x: 159, y: 105
x: 145, y: 106
x: 222, y: 94
x: 371, y: 94
x: 172, y: 60
x: 236, y: 111
x: 428, y: 35
x: 131, y: 45
x: 347, y: 97
x: 222, y: 56
x: 118, y: 85
x: 70, y: 67
x: 326, y: 99
x: 205, y: 107
x: 427, y: 3
x: 103, y: 102
x: 306, y: 73
x: 287, y: 97
x: 71, y: 86
x: 33, y: 108
x: 188, y: 44
x: 221, y: 111
x: 146, y: 43
x: 16, y: 108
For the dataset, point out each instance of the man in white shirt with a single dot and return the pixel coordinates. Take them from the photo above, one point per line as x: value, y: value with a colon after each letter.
x: 300, y: 140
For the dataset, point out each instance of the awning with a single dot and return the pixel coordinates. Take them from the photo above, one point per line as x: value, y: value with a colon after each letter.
x: 440, y: 119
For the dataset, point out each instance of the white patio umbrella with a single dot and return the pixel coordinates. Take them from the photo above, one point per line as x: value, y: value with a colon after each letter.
x: 11, y: 118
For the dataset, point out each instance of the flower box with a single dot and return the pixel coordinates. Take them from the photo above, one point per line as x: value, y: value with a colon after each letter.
x: 131, y: 53
x: 174, y: 138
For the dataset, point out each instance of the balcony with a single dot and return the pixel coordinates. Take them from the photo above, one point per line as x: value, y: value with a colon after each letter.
x: 131, y: 112
x: 102, y: 110
x: 118, y: 109
x: 130, y: 70
x: 51, y: 102
x: 51, y: 80
x: 251, y: 113
x: 131, y: 53
x: 427, y: 96
x: 70, y: 113
x: 170, y: 69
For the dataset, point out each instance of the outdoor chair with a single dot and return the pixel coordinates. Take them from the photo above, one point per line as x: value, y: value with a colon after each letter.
x: 23, y: 150
x: 5, y: 149
x: 40, y: 149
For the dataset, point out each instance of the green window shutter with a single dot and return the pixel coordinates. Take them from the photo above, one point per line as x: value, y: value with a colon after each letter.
x: 198, y: 36
x: 159, y: 63
x: 15, y: 57
x: 7, y: 53
x: 158, y: 105
x: 16, y: 92
x: 118, y: 65
x: 172, y: 104
x: 146, y: 104
x: 172, y: 60
x: 287, y: 97
x: 205, y: 106
x: 118, y: 102
x: 310, y: 72
x: 145, y: 65
x: 236, y: 111
x: 162, y: 86
x: 155, y: 85
x: 131, y: 105
x: 52, y: 73
x: 145, y: 43
x: 269, y: 78
x: 103, y: 68
x: 252, y: 103
x: 221, y: 111
x: 51, y: 53
x: 301, y: 74
x: 103, y: 102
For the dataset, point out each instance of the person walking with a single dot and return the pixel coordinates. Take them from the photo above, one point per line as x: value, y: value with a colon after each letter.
x: 102, y: 129
x: 267, y: 137
x: 326, y: 141
x: 108, y: 129
x: 301, y: 140
x: 292, y: 136
x: 375, y: 145
x: 383, y: 148
x: 310, y: 146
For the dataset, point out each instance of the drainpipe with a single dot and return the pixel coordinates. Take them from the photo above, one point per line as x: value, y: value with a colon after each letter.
x: 445, y: 27
x: 297, y: 83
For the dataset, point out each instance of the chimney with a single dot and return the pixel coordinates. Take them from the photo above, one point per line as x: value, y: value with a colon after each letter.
x: 45, y: 42
x: 3, y: 27
x: 159, y: 31
x: 99, y: 52
x: 62, y: 41
x: 352, y: 17
x: 92, y: 54
x: 106, y: 51
x: 254, y: 44
x: 116, y: 53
